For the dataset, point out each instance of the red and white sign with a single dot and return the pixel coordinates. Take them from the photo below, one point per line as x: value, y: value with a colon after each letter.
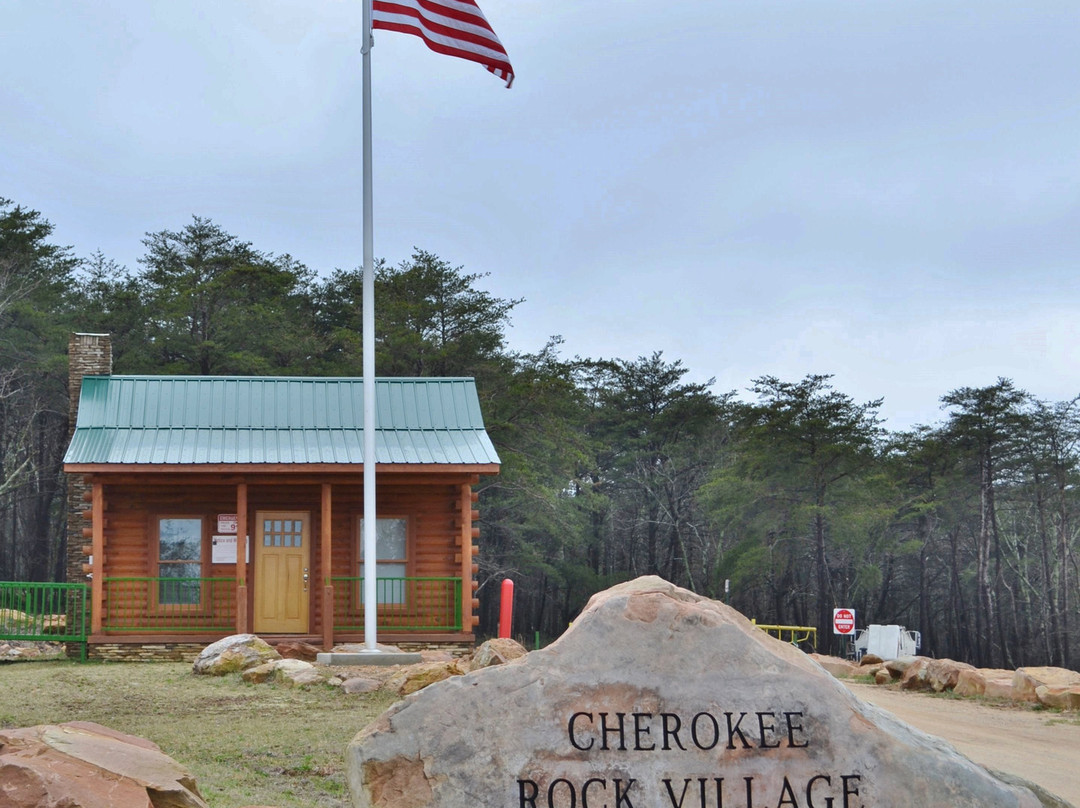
x: 843, y: 621
x: 226, y: 522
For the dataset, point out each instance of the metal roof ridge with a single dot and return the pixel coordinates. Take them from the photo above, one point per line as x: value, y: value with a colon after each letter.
x: 192, y: 377
x: 223, y: 428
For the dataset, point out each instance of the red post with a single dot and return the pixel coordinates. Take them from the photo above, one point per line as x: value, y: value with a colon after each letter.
x: 506, y: 608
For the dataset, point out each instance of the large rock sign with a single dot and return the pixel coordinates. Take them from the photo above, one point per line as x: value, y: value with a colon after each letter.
x: 658, y: 698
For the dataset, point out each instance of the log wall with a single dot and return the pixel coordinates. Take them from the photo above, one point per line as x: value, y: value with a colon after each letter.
x: 431, y: 506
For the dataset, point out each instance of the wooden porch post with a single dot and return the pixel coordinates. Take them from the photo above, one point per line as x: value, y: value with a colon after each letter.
x: 327, y: 569
x: 241, y: 558
x: 97, y: 583
x: 467, y: 604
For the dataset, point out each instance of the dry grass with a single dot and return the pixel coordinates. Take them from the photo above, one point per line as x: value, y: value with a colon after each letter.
x: 246, y: 744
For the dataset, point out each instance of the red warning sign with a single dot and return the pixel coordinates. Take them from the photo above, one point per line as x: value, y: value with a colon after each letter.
x: 843, y: 621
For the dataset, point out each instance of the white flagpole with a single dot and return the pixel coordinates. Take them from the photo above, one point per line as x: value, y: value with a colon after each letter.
x: 368, y: 336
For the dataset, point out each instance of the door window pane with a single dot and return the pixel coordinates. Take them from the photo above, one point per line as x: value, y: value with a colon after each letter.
x: 283, y: 533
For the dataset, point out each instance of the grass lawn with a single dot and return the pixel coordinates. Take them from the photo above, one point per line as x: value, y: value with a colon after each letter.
x: 246, y: 744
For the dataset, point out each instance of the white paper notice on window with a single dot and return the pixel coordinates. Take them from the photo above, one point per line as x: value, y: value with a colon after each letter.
x: 224, y: 550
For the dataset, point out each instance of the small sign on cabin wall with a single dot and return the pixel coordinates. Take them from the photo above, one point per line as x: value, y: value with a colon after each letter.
x: 226, y: 523
x: 224, y: 550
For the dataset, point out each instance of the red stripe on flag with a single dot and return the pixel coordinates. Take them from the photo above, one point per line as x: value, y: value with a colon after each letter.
x: 467, y: 12
x: 482, y: 40
x: 452, y: 27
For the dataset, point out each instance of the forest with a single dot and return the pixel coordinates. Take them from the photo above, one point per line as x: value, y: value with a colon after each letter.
x: 786, y: 500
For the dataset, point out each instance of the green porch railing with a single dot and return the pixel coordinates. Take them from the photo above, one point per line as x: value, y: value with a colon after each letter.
x: 404, y: 604
x: 159, y: 605
x: 796, y: 635
x: 49, y: 612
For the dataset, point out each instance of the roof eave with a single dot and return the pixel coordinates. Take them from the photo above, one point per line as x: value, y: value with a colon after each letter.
x: 279, y: 468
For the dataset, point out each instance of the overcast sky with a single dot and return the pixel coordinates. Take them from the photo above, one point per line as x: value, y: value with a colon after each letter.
x: 885, y: 191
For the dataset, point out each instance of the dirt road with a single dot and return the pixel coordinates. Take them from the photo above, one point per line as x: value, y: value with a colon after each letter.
x: 1039, y: 746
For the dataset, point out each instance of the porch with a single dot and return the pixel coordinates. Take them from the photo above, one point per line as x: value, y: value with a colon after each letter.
x: 174, y: 608
x: 196, y: 611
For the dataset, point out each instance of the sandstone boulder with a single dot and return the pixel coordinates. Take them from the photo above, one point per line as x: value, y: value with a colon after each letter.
x: 297, y: 673
x: 303, y: 679
x: 915, y: 676
x: 84, y: 765
x: 872, y: 670
x: 896, y: 667
x: 1000, y: 688
x: 295, y: 649
x: 235, y: 653
x: 658, y: 697
x: 412, y: 678
x: 291, y: 672
x: 1026, y: 680
x: 260, y: 673
x: 360, y: 684
x: 882, y: 676
x: 870, y: 659
x: 1059, y: 697
x: 290, y: 667
x: 975, y: 681
x: 496, y: 652
x: 840, y: 668
x: 942, y: 674
x: 434, y: 655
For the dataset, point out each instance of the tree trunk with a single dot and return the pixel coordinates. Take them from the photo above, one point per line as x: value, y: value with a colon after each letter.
x: 984, y: 613
x: 929, y: 641
x: 824, y: 618
x: 1063, y: 577
x: 1048, y: 606
x: 964, y: 645
x: 1004, y: 653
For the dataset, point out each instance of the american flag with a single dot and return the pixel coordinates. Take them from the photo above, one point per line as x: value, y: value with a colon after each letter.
x: 454, y: 27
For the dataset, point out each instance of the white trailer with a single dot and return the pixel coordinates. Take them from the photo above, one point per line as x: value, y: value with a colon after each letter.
x: 886, y: 642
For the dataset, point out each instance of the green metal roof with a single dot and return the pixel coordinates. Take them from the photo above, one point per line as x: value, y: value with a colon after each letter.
x: 184, y: 420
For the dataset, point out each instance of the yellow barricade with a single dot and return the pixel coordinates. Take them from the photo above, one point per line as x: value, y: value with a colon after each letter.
x: 796, y: 635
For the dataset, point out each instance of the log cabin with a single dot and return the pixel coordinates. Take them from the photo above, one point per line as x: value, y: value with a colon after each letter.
x: 224, y: 505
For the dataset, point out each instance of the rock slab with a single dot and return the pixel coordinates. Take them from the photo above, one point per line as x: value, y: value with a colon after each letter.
x: 657, y: 697
x: 993, y: 683
x: 1026, y: 681
x: 80, y: 764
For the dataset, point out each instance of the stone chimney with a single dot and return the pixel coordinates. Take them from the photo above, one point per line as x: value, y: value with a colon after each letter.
x: 88, y: 355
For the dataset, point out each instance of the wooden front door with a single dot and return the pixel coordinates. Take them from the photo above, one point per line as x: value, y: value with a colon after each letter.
x: 282, y: 571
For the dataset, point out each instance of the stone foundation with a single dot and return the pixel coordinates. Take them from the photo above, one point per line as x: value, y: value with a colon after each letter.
x: 145, y: 652
x: 455, y: 648
x: 187, y: 651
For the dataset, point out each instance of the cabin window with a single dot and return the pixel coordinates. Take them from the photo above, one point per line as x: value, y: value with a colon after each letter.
x: 180, y: 560
x: 392, y: 557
